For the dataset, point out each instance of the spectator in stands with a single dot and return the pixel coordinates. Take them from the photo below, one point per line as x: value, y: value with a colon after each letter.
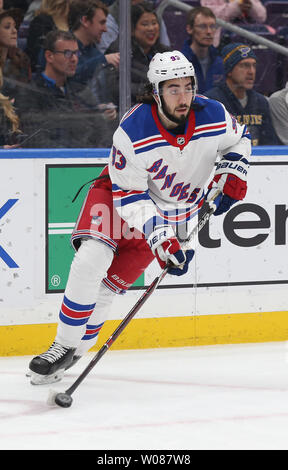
x: 278, y: 103
x: 67, y: 116
x: 199, y: 49
x: 9, y: 120
x: 145, y: 43
x: 9, y: 24
x: 109, y: 36
x: 10, y: 132
x: 51, y: 15
x: 15, y: 65
x: 87, y: 20
x: 239, y: 98
x: 236, y: 11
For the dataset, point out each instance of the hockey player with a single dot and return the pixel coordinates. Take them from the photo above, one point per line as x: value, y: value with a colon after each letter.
x: 164, y: 152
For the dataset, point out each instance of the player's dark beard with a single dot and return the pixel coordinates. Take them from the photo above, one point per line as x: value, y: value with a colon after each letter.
x: 181, y: 120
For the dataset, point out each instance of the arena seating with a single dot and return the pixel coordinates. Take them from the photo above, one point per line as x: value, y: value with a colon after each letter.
x: 272, y: 67
x: 277, y: 12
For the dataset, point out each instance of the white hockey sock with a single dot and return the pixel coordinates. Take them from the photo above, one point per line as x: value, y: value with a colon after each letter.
x: 97, y: 319
x: 88, y: 268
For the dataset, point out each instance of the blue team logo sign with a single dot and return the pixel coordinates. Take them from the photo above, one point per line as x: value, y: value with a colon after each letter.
x: 3, y: 253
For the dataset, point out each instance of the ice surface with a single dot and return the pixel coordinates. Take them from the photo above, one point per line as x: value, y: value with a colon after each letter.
x: 208, y: 397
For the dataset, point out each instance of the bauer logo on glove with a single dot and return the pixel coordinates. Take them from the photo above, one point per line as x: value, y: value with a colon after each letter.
x: 157, y: 238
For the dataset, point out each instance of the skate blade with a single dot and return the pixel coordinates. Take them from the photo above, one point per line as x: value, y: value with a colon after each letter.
x: 38, y: 379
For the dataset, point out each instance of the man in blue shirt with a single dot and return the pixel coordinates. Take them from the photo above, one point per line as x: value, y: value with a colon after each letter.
x: 208, y: 65
x: 60, y: 113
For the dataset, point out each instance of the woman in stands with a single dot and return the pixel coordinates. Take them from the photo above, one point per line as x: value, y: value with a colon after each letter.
x: 14, y: 63
x: 10, y: 133
x: 145, y: 28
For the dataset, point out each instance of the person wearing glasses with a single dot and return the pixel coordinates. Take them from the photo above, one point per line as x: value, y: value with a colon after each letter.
x: 199, y: 49
x: 53, y: 103
x: 51, y: 15
x: 237, y: 94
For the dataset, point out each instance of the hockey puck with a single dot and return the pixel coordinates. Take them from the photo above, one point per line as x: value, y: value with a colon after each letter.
x: 63, y: 399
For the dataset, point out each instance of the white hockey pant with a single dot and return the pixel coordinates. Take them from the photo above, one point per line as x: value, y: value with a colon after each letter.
x: 87, y: 301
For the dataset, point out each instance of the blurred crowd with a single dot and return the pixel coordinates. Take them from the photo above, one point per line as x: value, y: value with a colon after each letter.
x: 59, y: 66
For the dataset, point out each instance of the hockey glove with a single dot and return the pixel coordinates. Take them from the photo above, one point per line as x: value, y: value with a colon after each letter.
x: 230, y: 178
x: 183, y: 270
x: 166, y: 248
x: 233, y: 189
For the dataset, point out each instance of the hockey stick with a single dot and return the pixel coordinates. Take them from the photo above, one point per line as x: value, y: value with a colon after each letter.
x: 64, y: 399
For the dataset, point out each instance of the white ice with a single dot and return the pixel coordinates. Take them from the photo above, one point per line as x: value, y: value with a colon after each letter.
x: 208, y: 397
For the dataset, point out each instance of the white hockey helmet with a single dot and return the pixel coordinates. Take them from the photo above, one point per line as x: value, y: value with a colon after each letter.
x: 168, y: 65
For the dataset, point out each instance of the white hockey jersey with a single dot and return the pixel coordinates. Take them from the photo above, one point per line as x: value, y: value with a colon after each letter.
x: 159, y: 177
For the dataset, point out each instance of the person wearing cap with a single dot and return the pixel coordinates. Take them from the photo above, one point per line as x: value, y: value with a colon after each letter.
x: 236, y: 93
x: 158, y: 177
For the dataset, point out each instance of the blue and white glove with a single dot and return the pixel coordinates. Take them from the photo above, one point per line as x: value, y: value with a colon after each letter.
x: 167, y: 249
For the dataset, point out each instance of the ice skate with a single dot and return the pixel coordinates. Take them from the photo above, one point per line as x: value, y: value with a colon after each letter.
x: 75, y: 359
x: 50, y: 366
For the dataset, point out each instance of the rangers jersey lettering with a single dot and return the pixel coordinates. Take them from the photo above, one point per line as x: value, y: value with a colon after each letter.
x: 158, y: 177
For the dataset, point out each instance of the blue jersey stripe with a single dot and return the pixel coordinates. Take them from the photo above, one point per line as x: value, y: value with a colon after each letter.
x: 72, y: 321
x: 151, y: 147
x: 131, y: 199
x: 78, y: 307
